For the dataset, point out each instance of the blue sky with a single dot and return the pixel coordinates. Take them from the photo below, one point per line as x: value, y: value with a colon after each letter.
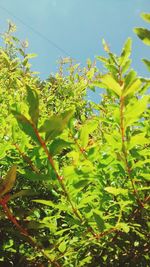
x: 77, y: 26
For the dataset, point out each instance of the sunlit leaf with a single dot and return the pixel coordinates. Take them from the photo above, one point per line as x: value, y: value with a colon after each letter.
x: 86, y: 129
x: 143, y: 34
x: 126, y: 52
x: 25, y: 125
x: 33, y: 101
x: 134, y: 87
x: 111, y: 84
x: 62, y: 247
x: 56, y: 124
x: 116, y: 191
x: 58, y: 145
x: 146, y: 17
x: 138, y: 139
x: 124, y: 227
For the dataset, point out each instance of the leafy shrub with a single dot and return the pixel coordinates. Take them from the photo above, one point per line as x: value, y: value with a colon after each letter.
x: 75, y: 181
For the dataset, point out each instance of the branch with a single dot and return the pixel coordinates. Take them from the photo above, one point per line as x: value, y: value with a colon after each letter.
x: 23, y: 231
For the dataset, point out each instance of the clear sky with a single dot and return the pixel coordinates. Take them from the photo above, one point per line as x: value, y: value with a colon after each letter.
x: 76, y: 26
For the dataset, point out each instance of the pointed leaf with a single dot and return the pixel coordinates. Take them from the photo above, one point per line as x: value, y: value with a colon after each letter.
x: 147, y: 63
x: 116, y: 191
x: 99, y: 219
x: 143, y: 34
x: 111, y: 84
x: 135, y: 110
x: 9, y: 181
x: 86, y: 129
x: 124, y: 227
x: 33, y: 101
x: 130, y: 77
x: 146, y: 17
x: 58, y: 145
x: 62, y: 247
x: 56, y: 124
x: 36, y: 176
x: 131, y: 89
x: 126, y: 52
x: 105, y: 46
x: 138, y: 139
x: 25, y: 125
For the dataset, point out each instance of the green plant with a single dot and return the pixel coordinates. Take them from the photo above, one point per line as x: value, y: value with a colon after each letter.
x: 80, y: 195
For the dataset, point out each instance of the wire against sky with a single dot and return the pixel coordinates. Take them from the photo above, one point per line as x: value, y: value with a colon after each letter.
x: 36, y: 32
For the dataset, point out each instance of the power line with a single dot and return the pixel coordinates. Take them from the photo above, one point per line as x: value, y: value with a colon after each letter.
x: 36, y: 32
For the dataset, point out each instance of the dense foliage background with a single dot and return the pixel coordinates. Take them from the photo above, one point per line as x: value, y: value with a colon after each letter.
x: 74, y: 174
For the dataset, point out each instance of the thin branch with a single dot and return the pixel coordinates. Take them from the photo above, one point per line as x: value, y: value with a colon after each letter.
x: 128, y: 169
x: 26, y: 158
x: 59, y: 178
x: 23, y: 231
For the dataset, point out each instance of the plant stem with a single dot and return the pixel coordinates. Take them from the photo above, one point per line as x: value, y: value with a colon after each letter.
x: 26, y: 158
x: 128, y: 169
x: 59, y: 178
x: 23, y: 231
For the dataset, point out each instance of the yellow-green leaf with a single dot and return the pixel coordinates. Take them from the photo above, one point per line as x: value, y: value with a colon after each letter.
x: 131, y: 89
x: 56, y: 124
x: 33, y: 101
x: 62, y: 247
x: 111, y: 84
x: 9, y: 181
x: 143, y: 34
x: 146, y: 17
x: 116, y: 191
x: 138, y: 139
x: 126, y: 52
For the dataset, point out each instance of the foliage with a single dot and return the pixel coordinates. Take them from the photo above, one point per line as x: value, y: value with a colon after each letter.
x: 144, y: 35
x: 75, y: 174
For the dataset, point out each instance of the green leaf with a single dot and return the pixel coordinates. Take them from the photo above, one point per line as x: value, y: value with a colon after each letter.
x: 147, y: 63
x: 82, y: 183
x: 105, y: 46
x: 123, y: 226
x: 102, y: 59
x: 126, y: 52
x: 22, y: 193
x: 58, y: 145
x: 36, y: 176
x: 33, y: 101
x: 31, y: 55
x: 87, y: 128
x: 130, y: 77
x: 111, y: 84
x: 116, y: 191
x: 135, y: 109
x: 25, y: 125
x: 44, y: 202
x: 85, y: 261
x: 49, y: 203
x: 113, y: 140
x: 131, y: 89
x: 56, y: 124
x: 99, y: 219
x: 146, y: 176
x: 138, y: 139
x: 143, y: 34
x: 126, y: 66
x: 9, y: 181
x: 62, y: 247
x: 144, y: 188
x: 3, y: 150
x: 146, y: 17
